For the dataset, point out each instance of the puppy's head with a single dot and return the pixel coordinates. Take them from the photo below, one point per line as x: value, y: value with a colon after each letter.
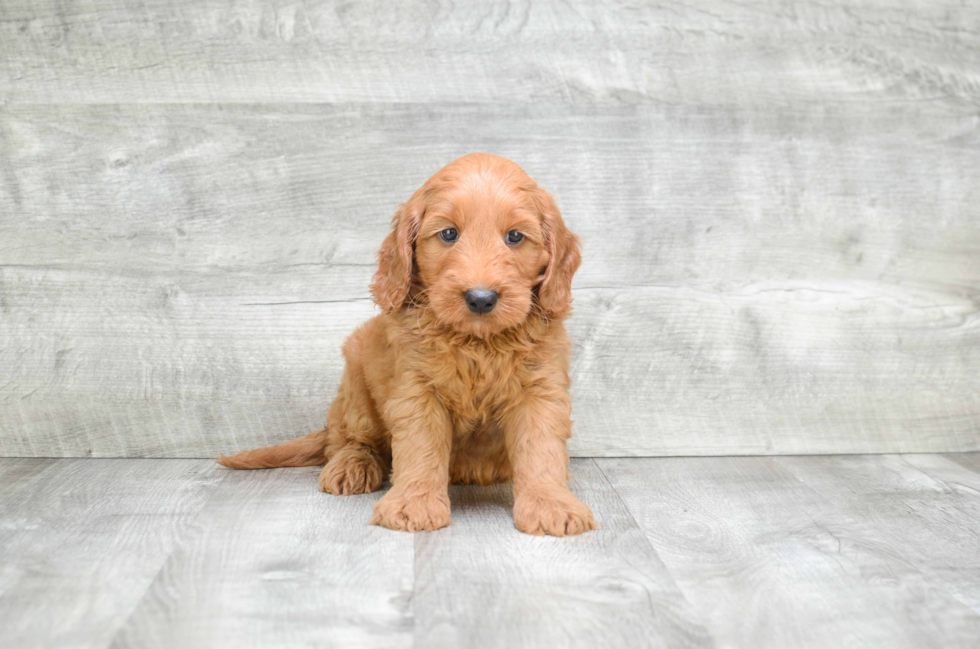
x: 482, y: 246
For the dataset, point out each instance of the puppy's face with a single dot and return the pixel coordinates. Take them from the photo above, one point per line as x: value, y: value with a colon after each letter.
x: 474, y: 244
x: 480, y: 252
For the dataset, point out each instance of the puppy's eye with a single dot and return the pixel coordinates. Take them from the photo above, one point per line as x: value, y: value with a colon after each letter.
x: 449, y: 235
x: 514, y: 237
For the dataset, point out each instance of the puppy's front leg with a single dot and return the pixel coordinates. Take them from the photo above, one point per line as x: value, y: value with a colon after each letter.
x: 421, y: 440
x: 536, y: 431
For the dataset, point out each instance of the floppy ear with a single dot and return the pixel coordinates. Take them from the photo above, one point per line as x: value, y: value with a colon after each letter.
x: 393, y: 279
x: 555, y: 292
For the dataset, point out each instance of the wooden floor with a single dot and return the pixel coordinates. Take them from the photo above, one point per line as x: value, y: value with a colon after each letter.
x: 820, y: 551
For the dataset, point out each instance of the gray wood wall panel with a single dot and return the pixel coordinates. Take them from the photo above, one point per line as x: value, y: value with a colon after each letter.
x: 778, y: 208
x: 706, y: 52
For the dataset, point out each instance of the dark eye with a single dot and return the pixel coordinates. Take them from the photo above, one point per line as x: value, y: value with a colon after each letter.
x: 514, y: 237
x: 449, y: 235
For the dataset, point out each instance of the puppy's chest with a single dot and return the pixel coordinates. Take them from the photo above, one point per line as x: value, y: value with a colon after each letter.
x: 474, y: 384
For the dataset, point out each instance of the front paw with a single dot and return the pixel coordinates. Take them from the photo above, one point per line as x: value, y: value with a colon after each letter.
x: 412, y: 512
x: 554, y: 511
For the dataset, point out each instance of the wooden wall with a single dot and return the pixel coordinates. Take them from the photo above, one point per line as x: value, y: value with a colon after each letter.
x: 780, y: 207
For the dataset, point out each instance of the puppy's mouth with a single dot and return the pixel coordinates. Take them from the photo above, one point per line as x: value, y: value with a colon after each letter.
x: 478, y: 311
x: 480, y: 326
x: 480, y: 315
x: 487, y: 313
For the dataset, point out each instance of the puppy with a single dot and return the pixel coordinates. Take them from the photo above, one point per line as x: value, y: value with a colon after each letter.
x: 464, y: 375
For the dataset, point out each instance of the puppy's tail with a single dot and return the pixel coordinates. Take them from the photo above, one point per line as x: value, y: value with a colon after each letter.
x: 308, y: 450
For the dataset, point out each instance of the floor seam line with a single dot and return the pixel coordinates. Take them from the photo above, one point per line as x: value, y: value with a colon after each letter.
x: 163, y: 564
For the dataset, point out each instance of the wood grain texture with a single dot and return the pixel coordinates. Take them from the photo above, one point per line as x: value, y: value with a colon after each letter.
x: 710, y: 52
x: 926, y: 504
x: 691, y: 552
x: 271, y: 561
x: 778, y: 206
x: 771, y: 563
x: 969, y: 460
x: 178, y: 280
x: 481, y: 583
x: 81, y: 540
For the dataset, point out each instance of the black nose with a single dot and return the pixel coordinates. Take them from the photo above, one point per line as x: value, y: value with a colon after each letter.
x: 480, y: 300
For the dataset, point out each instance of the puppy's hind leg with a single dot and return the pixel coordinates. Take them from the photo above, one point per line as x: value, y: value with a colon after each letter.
x: 358, y: 458
x: 354, y: 469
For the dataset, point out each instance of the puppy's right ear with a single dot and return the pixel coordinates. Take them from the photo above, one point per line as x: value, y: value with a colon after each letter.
x: 396, y: 258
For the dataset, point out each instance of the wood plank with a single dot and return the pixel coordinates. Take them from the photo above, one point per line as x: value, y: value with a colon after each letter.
x: 770, y: 563
x: 81, y: 540
x: 177, y: 280
x: 271, y: 561
x: 736, y: 552
x: 927, y: 505
x: 481, y: 583
x: 969, y: 460
x: 711, y: 52
x: 207, y: 368
x: 20, y: 474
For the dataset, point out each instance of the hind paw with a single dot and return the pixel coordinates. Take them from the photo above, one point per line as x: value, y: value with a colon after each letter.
x: 352, y: 472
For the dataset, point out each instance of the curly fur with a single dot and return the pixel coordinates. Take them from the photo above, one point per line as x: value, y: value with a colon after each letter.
x: 433, y: 393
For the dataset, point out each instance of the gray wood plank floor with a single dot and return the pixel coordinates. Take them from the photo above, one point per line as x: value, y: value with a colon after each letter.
x: 821, y: 551
x: 81, y: 541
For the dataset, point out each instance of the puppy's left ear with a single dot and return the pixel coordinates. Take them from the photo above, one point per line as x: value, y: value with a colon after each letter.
x: 555, y: 292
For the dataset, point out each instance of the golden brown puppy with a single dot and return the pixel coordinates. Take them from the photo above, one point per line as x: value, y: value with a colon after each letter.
x: 464, y: 376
